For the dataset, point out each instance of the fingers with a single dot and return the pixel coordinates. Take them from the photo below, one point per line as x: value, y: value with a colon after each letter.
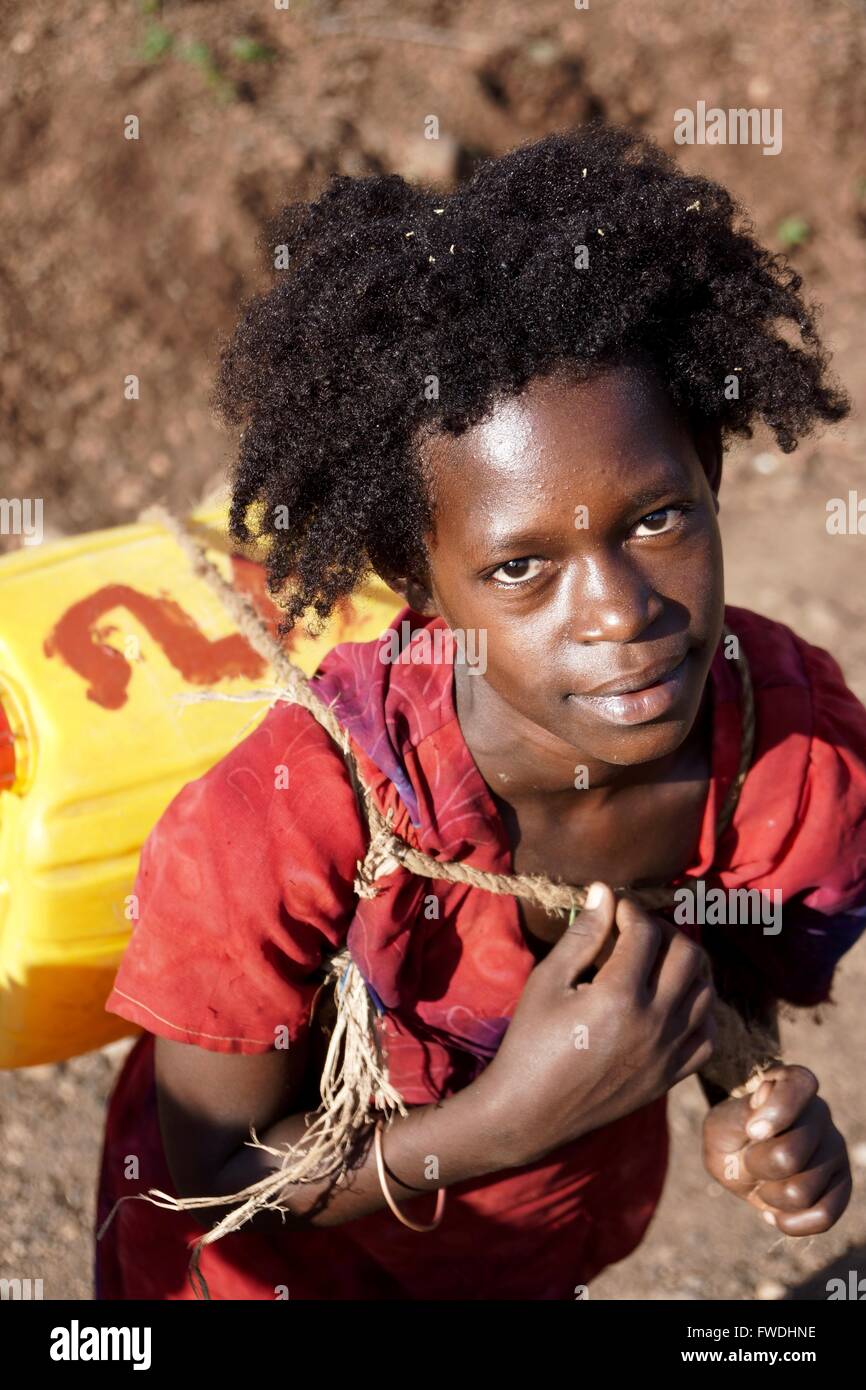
x: 662, y: 962
x: 697, y: 1007
x: 680, y: 966
x: 792, y: 1090
x: 783, y: 1155
x: 803, y: 1176
x: 582, y: 940
x: 819, y: 1217
x: 806, y: 1187
x: 695, y: 1051
x: 724, y: 1127
x: 637, y: 946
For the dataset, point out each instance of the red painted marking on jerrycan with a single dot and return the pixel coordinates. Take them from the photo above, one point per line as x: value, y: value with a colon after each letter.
x: 82, y: 644
x: 99, y: 634
x: 7, y: 751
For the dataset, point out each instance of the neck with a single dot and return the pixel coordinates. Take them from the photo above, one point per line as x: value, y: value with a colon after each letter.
x: 521, y: 761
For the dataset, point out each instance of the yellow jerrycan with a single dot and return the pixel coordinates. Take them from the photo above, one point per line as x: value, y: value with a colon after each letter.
x: 98, y: 635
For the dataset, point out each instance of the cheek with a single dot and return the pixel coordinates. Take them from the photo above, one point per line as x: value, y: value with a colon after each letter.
x: 693, y: 577
x: 520, y: 657
x: 515, y: 636
x: 519, y: 646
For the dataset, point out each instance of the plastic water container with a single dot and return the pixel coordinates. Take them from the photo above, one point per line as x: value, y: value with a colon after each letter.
x: 98, y: 634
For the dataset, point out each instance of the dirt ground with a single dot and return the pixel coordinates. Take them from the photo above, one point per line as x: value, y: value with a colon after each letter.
x: 121, y: 256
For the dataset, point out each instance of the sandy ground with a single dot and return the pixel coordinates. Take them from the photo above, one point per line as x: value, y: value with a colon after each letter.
x: 111, y: 263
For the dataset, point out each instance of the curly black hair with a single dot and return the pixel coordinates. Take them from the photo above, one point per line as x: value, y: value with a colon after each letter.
x: 402, y: 311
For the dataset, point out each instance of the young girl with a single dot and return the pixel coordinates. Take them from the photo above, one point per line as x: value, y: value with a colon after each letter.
x: 511, y: 403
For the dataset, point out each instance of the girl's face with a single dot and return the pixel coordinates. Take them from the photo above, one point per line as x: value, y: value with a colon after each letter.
x: 577, y: 527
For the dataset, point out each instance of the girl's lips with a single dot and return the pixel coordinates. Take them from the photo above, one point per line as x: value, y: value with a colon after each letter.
x: 638, y: 706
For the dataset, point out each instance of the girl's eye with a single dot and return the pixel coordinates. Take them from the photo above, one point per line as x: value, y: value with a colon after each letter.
x: 515, y: 572
x: 659, y: 528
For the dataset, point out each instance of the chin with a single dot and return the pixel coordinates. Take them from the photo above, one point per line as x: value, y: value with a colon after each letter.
x: 643, y: 744
x: 628, y: 744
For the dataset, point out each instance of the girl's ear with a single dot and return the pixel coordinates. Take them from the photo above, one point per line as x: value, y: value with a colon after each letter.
x: 416, y: 594
x: 708, y: 443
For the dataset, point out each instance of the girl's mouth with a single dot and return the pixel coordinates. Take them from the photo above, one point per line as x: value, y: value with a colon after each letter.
x: 638, y: 706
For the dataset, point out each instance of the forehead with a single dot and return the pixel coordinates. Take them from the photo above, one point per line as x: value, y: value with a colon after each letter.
x: 612, y: 431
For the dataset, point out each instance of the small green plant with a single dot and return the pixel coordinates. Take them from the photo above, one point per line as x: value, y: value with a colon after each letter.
x: 198, y: 54
x: 201, y: 57
x: 793, y: 232
x: 249, y: 50
x: 157, y: 43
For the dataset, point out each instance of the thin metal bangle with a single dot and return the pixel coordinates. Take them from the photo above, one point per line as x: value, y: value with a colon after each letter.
x: 383, y: 1183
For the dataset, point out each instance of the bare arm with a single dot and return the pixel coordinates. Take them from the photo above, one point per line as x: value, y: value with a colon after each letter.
x: 646, y: 1016
x: 208, y: 1101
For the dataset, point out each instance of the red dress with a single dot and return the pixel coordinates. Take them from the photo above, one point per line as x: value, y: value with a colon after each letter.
x: 245, y: 884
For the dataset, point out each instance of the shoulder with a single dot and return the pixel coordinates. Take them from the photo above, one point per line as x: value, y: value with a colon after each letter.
x: 779, y: 656
x: 281, y: 798
x: 802, y: 812
x: 288, y: 752
x: 244, y: 884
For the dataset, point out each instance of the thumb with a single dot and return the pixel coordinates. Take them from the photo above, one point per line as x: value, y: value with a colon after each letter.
x: 726, y: 1125
x: 583, y: 938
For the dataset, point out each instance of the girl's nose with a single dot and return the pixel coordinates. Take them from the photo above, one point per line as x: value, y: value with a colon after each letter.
x: 611, y: 600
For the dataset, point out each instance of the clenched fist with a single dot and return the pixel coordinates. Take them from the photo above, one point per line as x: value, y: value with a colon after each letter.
x: 779, y: 1150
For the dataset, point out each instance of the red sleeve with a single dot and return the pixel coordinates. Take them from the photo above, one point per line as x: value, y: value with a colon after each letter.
x: 820, y: 863
x: 834, y: 835
x: 244, y: 885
